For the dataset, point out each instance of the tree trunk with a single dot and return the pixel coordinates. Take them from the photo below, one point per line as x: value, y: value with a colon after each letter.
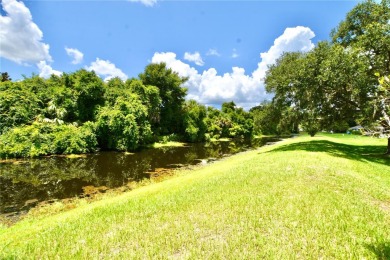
x: 388, y: 146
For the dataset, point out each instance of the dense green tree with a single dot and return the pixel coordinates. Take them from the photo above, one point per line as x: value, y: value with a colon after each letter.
x: 172, y: 96
x: 242, y: 123
x: 18, y: 105
x: 194, y: 121
x: 215, y: 126
x: 87, y: 93
x: 336, y: 86
x: 358, y: 19
x: 150, y: 97
x: 124, y: 126
x: 115, y: 88
x: 47, y: 138
x: 228, y: 107
x: 367, y: 27
x: 50, y: 93
x: 264, y: 119
x: 326, y: 86
x: 72, y: 97
x: 311, y: 123
x: 60, y: 104
x: 231, y: 121
x: 269, y: 119
x: 335, y: 83
x: 284, y: 79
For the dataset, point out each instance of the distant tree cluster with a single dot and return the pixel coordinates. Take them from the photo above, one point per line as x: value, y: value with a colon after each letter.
x: 335, y: 85
x: 79, y: 113
x: 230, y: 122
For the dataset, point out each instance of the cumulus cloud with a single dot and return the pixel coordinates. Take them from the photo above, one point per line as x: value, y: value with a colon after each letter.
x: 106, y: 69
x: 293, y: 39
x: 180, y: 67
x: 75, y: 54
x: 145, y: 2
x: 45, y: 70
x: 194, y: 57
x: 212, y: 89
x: 246, y: 90
x: 213, y: 52
x: 20, y: 37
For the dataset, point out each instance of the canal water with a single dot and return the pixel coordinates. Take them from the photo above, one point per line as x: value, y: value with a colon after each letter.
x: 24, y: 184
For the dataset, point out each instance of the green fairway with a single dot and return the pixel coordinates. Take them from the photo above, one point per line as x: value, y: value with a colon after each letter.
x: 307, y: 198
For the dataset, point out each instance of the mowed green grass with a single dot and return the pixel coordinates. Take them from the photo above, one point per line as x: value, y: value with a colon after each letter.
x: 303, y: 198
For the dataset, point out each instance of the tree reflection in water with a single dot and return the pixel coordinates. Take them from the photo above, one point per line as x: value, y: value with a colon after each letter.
x: 24, y: 184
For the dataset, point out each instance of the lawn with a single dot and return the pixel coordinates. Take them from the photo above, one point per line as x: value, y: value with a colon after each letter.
x: 306, y: 198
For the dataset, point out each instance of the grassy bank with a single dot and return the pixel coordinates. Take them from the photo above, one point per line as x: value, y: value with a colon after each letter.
x: 321, y: 197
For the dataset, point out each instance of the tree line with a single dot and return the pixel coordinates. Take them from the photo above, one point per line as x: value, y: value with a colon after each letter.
x: 80, y: 113
x: 338, y: 84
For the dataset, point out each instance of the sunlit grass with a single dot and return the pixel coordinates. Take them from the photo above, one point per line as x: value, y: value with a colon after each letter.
x: 75, y: 156
x: 225, y: 139
x: 308, y: 198
x: 166, y: 144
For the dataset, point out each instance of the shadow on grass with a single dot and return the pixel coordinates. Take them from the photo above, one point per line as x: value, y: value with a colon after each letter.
x: 381, y: 251
x: 372, y: 153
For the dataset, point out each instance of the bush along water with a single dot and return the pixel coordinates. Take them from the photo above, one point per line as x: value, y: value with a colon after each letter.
x: 79, y: 113
x: 47, y: 138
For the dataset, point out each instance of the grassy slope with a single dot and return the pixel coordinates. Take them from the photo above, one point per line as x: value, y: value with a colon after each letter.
x: 302, y: 198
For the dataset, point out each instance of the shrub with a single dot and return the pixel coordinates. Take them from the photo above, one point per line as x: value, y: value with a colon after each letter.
x: 69, y: 139
x: 194, y: 121
x: 123, y: 127
x: 47, y: 138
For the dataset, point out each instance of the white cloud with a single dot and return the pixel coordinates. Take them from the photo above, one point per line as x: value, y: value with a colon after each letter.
x: 213, y: 52
x: 210, y: 88
x: 180, y: 67
x: 293, y: 39
x: 20, y: 37
x: 75, y: 54
x: 245, y: 90
x: 145, y: 2
x: 45, y: 70
x: 107, y: 69
x: 235, y: 54
x: 194, y: 57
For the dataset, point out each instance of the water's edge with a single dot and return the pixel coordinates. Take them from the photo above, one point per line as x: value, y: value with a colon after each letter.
x: 26, y: 184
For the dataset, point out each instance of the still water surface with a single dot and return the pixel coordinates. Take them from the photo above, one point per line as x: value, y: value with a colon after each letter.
x: 23, y: 185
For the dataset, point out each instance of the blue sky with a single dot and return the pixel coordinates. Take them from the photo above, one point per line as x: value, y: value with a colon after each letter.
x: 224, y: 47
